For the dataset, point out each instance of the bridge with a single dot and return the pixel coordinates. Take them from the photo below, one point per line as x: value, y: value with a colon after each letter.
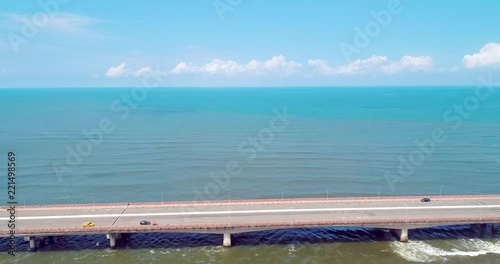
x: 118, y: 220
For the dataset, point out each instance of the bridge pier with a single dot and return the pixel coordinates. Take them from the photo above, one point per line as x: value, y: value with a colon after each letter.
x: 32, y: 243
x: 227, y: 240
x: 115, y: 237
x: 51, y: 240
x: 401, y: 234
x: 494, y: 227
x: 112, y: 239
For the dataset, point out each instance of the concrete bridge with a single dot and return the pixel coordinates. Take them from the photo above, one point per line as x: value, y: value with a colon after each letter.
x: 118, y: 220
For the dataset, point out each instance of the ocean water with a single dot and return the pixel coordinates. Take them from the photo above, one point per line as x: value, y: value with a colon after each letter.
x: 134, y: 145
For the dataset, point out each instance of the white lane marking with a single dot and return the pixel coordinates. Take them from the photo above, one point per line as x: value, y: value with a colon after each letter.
x: 260, y: 211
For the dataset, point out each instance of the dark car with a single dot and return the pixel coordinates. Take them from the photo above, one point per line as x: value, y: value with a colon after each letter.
x: 144, y: 222
x: 425, y: 199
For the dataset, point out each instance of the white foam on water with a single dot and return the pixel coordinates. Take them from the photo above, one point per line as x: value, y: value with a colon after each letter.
x: 291, y: 249
x: 84, y: 256
x: 419, y: 251
x: 416, y: 251
x: 479, y: 245
x: 212, y: 250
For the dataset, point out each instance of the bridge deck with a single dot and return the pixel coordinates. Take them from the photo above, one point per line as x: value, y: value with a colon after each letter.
x: 248, y: 215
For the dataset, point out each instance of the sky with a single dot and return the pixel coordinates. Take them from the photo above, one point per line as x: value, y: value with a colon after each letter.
x: 247, y: 43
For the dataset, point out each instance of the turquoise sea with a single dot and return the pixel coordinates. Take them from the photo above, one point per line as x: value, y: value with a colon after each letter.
x: 91, y: 145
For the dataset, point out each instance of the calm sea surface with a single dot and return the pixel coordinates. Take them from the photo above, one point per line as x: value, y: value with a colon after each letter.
x: 125, y: 145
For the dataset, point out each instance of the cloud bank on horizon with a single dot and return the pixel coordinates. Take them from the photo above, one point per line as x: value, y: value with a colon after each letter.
x: 488, y: 56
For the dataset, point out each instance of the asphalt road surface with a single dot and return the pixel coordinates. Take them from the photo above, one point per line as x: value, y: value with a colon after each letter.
x: 255, y: 213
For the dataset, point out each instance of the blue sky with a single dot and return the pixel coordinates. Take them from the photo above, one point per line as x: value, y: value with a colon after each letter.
x: 70, y: 43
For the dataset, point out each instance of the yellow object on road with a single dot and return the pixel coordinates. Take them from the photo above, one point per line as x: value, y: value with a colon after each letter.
x: 88, y: 224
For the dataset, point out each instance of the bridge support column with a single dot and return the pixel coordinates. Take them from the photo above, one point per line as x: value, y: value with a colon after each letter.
x: 32, y: 243
x: 401, y: 234
x: 112, y: 240
x: 494, y: 227
x: 227, y: 240
x: 51, y: 240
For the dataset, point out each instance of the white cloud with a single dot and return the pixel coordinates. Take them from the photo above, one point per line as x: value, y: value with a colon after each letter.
x: 411, y: 63
x: 254, y: 65
x: 68, y: 22
x: 488, y: 55
x: 362, y: 65
x: 280, y: 64
x: 122, y: 71
x: 221, y: 66
x: 143, y: 71
x: 63, y: 22
x: 277, y: 64
x: 373, y: 64
x: 115, y: 72
x: 322, y: 67
x: 183, y: 67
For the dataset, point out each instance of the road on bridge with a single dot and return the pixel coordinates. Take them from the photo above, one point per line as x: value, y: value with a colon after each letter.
x: 258, y: 213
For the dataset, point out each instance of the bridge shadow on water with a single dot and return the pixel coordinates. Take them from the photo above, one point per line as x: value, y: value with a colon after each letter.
x: 260, y: 238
